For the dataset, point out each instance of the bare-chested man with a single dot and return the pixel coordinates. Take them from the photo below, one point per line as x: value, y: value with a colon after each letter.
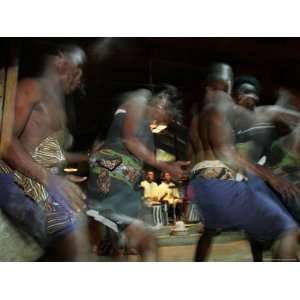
x: 261, y: 129
x: 256, y: 126
x: 33, y: 194
x: 226, y: 199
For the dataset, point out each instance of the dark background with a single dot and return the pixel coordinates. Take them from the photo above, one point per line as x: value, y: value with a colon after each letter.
x: 116, y: 65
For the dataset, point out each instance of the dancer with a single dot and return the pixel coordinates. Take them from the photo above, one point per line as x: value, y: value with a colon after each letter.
x: 114, y: 195
x: 228, y: 201
x: 33, y: 194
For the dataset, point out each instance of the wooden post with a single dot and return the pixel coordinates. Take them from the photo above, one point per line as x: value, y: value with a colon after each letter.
x: 8, y: 106
x: 2, y: 83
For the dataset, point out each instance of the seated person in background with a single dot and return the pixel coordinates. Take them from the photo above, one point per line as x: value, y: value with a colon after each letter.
x: 168, y: 193
x: 150, y: 188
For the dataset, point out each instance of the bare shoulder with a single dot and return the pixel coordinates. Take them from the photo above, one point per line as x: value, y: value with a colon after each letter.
x: 29, y: 91
x: 137, y: 99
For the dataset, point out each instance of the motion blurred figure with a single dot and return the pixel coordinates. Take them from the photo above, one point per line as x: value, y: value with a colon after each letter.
x: 114, y: 195
x: 33, y: 194
x: 259, y: 133
x: 226, y: 200
x: 256, y: 127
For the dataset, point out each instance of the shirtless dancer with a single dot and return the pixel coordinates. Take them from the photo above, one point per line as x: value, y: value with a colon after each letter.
x: 225, y: 201
x: 33, y: 194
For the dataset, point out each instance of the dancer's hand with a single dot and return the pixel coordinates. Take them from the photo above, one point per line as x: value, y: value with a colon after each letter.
x: 178, y: 170
x: 284, y: 188
x: 62, y: 189
x: 76, y: 179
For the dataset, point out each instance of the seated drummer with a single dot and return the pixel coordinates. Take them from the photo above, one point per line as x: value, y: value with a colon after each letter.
x: 169, y: 193
x: 150, y: 189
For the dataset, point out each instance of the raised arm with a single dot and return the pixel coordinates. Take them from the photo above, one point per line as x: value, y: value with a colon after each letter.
x: 221, y: 139
x: 277, y: 113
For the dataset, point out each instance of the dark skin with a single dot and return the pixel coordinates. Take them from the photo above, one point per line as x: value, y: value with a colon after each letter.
x: 150, y: 176
x: 248, y: 112
x: 137, y: 237
x: 167, y: 178
x: 138, y: 108
x: 39, y: 112
x: 211, y: 138
x: 216, y: 142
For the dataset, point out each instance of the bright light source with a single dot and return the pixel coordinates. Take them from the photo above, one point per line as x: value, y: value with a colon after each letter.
x: 165, y: 156
x: 157, y: 128
x: 70, y: 170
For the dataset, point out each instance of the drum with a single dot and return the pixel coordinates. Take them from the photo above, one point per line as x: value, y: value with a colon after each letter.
x: 165, y: 213
x: 157, y: 214
x: 193, y: 213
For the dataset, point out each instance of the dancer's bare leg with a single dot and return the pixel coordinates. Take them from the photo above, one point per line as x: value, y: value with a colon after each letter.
x: 144, y: 242
x: 62, y: 249
x: 256, y: 250
x: 204, y: 246
x: 94, y: 235
x: 286, y: 248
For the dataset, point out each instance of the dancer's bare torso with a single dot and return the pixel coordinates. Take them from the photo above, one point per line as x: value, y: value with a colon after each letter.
x: 210, y: 131
x: 39, y: 112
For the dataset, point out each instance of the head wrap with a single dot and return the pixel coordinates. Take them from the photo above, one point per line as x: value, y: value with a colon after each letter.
x: 247, y: 84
